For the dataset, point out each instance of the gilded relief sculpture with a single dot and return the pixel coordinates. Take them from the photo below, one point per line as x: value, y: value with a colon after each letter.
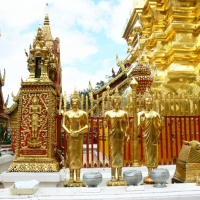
x: 75, y: 123
x: 151, y: 124
x: 118, y: 128
x: 35, y: 111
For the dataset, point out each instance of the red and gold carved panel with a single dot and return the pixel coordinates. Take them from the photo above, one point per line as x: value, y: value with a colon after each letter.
x: 34, y: 124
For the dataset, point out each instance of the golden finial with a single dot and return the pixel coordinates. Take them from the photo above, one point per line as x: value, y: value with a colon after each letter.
x: 46, y: 19
x: 90, y: 86
x: 46, y: 10
x: 22, y: 80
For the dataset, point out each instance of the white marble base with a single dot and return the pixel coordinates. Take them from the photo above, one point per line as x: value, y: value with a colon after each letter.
x: 48, y: 179
x: 5, y: 161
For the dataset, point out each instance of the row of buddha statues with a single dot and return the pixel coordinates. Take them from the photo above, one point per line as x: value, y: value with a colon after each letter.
x: 75, y: 124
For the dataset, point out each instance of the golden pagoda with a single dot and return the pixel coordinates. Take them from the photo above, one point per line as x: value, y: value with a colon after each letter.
x: 33, y: 115
x: 166, y: 33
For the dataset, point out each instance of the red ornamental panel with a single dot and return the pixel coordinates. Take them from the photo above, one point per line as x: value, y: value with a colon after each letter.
x: 143, y: 83
x: 34, y: 124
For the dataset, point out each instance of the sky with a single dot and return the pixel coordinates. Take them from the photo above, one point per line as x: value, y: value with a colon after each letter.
x: 90, y: 33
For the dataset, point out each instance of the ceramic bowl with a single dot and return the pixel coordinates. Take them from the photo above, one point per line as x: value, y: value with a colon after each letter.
x: 92, y: 179
x: 132, y: 177
x: 160, y: 176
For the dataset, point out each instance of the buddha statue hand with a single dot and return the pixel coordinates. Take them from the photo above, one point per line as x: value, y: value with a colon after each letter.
x: 74, y: 134
x: 127, y: 138
x: 62, y: 112
x: 142, y: 117
x: 160, y: 123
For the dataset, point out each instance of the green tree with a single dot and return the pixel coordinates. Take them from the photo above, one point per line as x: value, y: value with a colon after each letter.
x: 99, y: 85
x: 85, y: 93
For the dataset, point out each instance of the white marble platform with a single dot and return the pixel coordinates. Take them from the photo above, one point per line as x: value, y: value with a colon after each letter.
x: 56, y: 179
x: 182, y: 191
x: 48, y: 190
x: 5, y: 161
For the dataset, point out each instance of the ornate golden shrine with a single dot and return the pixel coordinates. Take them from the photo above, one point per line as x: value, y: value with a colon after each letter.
x: 188, y: 162
x: 35, y: 130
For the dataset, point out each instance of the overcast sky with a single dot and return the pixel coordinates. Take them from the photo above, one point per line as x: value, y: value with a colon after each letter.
x: 90, y: 33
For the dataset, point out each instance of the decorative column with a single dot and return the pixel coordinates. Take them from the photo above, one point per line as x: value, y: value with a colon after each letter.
x: 134, y: 85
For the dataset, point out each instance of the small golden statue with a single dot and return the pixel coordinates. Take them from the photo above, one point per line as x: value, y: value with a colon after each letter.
x: 151, y: 124
x: 75, y: 123
x: 35, y: 111
x: 117, y: 122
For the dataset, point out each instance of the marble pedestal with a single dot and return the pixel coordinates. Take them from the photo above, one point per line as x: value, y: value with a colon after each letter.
x: 48, y: 179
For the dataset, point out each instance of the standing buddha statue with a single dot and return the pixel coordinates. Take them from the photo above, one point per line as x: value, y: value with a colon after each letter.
x: 151, y: 124
x: 118, y: 128
x: 75, y: 123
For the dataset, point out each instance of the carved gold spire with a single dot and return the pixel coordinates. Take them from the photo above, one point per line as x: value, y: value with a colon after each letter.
x: 46, y: 27
x: 46, y: 19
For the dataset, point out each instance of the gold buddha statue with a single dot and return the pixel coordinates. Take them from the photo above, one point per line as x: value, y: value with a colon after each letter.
x: 118, y: 128
x: 151, y: 124
x: 75, y: 123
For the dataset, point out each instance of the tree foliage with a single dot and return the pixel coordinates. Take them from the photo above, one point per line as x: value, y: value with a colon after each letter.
x: 99, y: 84
x: 102, y: 83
